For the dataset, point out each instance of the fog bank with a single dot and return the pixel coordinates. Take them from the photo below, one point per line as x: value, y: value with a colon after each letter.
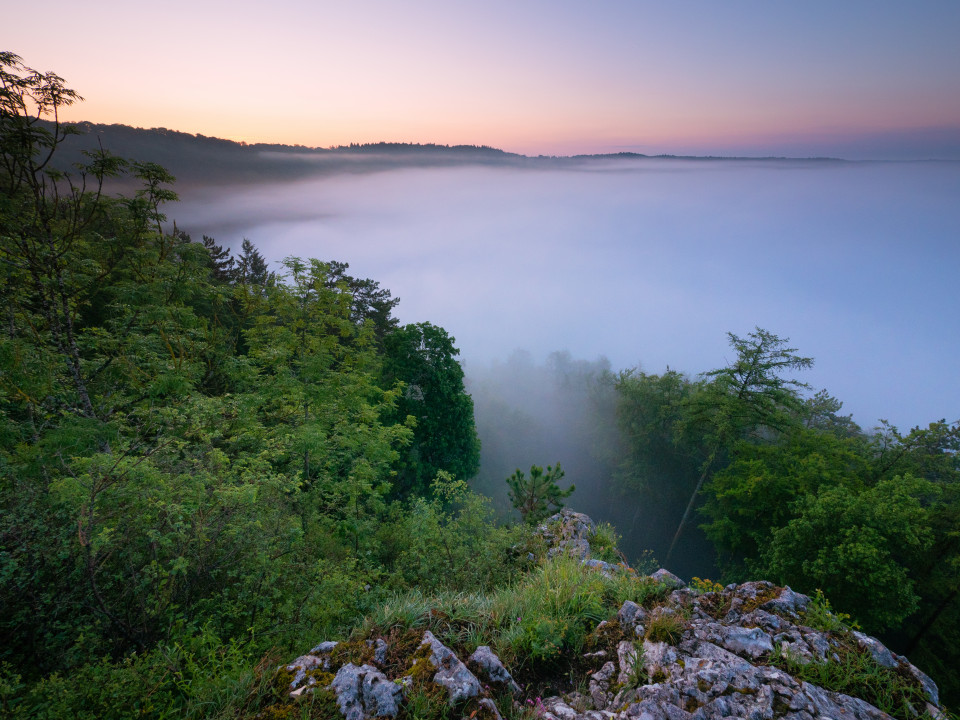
x: 650, y: 262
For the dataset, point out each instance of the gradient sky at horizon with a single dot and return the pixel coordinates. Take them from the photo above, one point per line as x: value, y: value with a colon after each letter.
x: 856, y: 79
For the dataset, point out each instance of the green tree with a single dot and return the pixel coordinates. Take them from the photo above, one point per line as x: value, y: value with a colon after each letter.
x: 858, y: 548
x: 317, y: 389
x: 749, y: 399
x: 251, y: 265
x: 370, y: 302
x: 538, y: 496
x: 656, y: 458
x: 423, y: 357
x: 759, y: 490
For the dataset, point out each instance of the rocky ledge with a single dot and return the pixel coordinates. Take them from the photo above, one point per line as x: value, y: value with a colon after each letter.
x: 754, y: 650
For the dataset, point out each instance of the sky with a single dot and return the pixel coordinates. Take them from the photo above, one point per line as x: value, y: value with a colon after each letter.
x: 859, y: 79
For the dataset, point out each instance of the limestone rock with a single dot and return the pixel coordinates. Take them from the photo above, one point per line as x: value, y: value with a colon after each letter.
x: 461, y: 684
x: 492, y: 707
x: 365, y: 692
x: 484, y: 658
x: 600, y: 685
x: 632, y: 616
x: 380, y: 651
x: 568, y: 532
x: 717, y: 667
x: 667, y: 578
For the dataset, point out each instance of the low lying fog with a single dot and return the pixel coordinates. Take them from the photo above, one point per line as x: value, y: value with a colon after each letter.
x: 650, y: 262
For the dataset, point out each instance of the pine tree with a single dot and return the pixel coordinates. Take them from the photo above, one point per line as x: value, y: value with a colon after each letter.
x: 538, y: 496
x: 251, y: 266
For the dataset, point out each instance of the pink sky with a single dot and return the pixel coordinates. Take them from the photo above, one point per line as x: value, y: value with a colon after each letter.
x: 876, y: 78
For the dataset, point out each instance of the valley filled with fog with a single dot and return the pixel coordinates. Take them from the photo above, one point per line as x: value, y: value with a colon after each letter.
x: 648, y: 262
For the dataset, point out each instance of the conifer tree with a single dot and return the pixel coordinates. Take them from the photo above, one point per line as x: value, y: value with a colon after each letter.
x: 537, y: 496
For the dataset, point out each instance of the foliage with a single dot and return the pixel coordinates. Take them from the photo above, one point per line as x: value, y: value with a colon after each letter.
x: 449, y: 541
x: 203, y: 459
x: 757, y: 492
x: 538, y: 496
x: 820, y: 616
x: 603, y: 541
x: 666, y: 626
x: 750, y: 396
x: 193, y: 445
x: 747, y: 399
x: 650, y: 412
x: 423, y: 358
x: 637, y: 677
x: 705, y: 585
x: 197, y: 677
x: 844, y: 542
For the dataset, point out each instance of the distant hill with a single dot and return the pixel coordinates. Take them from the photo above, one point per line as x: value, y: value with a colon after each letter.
x: 198, y: 159
x: 202, y: 160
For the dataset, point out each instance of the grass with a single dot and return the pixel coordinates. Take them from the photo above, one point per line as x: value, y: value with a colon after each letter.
x: 859, y: 675
x: 667, y: 625
x: 548, y: 613
x: 603, y: 541
x: 820, y: 616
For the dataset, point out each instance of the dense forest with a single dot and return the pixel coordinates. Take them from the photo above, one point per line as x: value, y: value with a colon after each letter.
x: 206, y: 463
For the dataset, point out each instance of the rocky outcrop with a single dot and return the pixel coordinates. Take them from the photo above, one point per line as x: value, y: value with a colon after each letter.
x: 452, y: 674
x: 568, y: 532
x: 741, y: 651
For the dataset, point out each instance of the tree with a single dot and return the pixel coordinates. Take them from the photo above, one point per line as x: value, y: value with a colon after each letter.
x: 222, y: 264
x: 650, y: 409
x: 370, y: 302
x: 748, y: 399
x: 858, y: 547
x: 821, y: 411
x: 423, y: 357
x: 251, y: 265
x: 538, y: 496
x: 759, y: 491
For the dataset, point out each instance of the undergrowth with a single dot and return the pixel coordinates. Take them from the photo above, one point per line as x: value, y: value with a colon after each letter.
x: 859, y: 675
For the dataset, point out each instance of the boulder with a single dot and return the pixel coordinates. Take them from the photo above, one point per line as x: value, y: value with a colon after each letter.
x: 460, y: 683
x: 490, y: 665
x: 365, y: 692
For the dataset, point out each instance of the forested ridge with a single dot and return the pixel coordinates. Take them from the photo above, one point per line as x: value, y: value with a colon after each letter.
x: 207, y: 464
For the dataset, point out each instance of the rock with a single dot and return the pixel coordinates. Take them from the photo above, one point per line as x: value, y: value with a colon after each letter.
x: 365, y: 692
x: 318, y: 657
x: 492, y: 707
x: 746, y: 642
x: 667, y: 578
x: 380, y: 651
x: 787, y: 603
x: 877, y: 651
x: 627, y: 658
x: 461, y: 684
x: 568, y: 532
x: 716, y: 668
x: 631, y: 615
x: 324, y: 648
x: 658, y: 657
x: 600, y: 565
x: 484, y: 658
x: 600, y: 685
x: 302, y: 665
x: 929, y: 686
